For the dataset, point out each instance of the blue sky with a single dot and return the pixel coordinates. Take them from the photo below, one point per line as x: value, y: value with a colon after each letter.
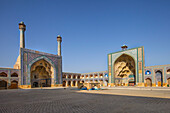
x: 90, y: 30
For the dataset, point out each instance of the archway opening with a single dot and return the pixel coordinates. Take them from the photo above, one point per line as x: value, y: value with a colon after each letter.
x: 14, y: 75
x: 124, y: 71
x: 106, y: 83
x: 168, y: 71
x: 91, y: 81
x: 78, y: 77
x: 148, y: 82
x: 69, y: 83
x: 91, y: 76
x: 3, y: 84
x: 41, y: 74
x: 14, y: 84
x: 64, y: 76
x: 64, y: 83
x: 3, y: 74
x: 159, y: 79
x: 74, y: 83
x: 74, y: 76
x: 87, y: 76
x: 35, y: 84
x: 101, y: 75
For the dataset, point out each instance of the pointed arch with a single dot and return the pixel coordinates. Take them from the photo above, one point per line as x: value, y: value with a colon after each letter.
x: 124, y: 67
x: 3, y: 74
x: 148, y: 82
x: 14, y: 74
x: 168, y: 71
x: 3, y: 84
x: 53, y: 80
x: 14, y: 84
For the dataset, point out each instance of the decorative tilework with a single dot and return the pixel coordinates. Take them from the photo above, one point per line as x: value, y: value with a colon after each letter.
x: 167, y: 67
x: 167, y: 76
x: 31, y: 56
x: 14, y: 78
x: 139, y: 54
x: 148, y: 77
x: 15, y: 71
x: 3, y: 70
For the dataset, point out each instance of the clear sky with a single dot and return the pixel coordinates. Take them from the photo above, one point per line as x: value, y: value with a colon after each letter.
x: 90, y: 30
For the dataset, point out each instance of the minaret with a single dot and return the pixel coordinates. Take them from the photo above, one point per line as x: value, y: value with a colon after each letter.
x: 22, y: 28
x: 59, y: 40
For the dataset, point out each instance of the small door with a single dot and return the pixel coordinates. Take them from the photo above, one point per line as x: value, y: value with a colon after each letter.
x: 14, y: 85
x: 148, y: 82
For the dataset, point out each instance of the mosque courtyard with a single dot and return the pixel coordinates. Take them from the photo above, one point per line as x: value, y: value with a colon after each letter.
x: 73, y: 101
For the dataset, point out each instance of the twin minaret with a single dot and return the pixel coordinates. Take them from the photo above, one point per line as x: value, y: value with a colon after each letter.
x: 59, y: 40
x: 22, y: 28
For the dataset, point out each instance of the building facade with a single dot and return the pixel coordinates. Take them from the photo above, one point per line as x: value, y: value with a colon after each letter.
x: 33, y: 68
x: 72, y: 79
x: 127, y: 68
x: 38, y: 69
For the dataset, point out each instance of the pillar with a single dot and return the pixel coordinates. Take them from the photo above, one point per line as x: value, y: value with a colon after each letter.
x: 66, y: 83
x: 22, y: 28
x: 98, y: 77
x: 71, y: 83
x: 59, y: 40
x: 76, y: 83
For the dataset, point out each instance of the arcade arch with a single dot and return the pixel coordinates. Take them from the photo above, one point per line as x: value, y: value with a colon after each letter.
x: 14, y: 75
x: 14, y: 84
x: 3, y: 74
x: 168, y: 71
x: 74, y: 83
x: 3, y: 84
x: 64, y: 83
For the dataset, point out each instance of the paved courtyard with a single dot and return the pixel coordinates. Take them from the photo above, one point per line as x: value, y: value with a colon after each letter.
x: 71, y: 101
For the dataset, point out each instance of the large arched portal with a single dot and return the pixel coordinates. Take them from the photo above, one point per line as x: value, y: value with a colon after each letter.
x: 124, y: 71
x: 41, y: 74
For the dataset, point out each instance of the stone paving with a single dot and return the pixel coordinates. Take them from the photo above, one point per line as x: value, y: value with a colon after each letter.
x: 71, y: 101
x: 134, y: 92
